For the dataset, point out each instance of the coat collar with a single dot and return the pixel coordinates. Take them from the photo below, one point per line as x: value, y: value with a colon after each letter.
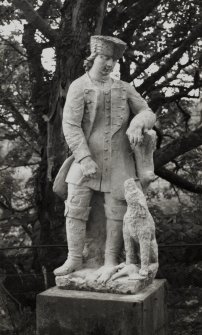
x: 89, y: 84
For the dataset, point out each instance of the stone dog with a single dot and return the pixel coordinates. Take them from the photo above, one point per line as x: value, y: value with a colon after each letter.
x: 138, y: 227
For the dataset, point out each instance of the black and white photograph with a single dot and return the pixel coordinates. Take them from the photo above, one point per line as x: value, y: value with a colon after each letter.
x: 100, y: 167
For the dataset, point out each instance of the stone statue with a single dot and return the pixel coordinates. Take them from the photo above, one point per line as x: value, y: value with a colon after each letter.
x: 97, y: 130
x: 139, y: 228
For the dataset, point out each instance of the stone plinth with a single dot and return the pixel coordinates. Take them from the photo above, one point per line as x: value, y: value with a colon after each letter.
x: 125, y: 285
x: 66, y: 312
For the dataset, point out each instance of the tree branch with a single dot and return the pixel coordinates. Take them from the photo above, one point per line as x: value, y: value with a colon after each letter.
x: 43, y: 9
x: 161, y: 100
x: 8, y: 136
x: 15, y: 46
x: 18, y: 133
x: 179, y: 181
x: 19, y: 119
x: 101, y: 9
x: 116, y: 17
x: 35, y: 19
x: 173, y: 77
x: 135, y: 11
x: 177, y: 147
x: 148, y: 83
x: 158, y: 55
x: 7, y: 167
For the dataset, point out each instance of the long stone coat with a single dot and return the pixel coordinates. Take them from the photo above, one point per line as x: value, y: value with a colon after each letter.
x: 78, y: 119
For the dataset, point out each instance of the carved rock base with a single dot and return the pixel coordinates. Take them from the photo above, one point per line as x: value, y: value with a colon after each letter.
x: 125, y: 285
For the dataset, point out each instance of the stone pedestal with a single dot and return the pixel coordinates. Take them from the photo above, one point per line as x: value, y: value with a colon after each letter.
x: 66, y: 312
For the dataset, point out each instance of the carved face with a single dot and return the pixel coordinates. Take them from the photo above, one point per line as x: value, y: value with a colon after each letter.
x: 103, y: 64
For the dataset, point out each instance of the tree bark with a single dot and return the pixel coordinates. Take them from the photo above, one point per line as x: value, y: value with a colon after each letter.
x: 178, y: 147
x: 35, y: 19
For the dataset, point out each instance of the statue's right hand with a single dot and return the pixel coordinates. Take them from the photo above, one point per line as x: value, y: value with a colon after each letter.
x: 88, y: 167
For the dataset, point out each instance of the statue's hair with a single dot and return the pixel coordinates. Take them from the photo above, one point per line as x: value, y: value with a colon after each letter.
x: 88, y: 62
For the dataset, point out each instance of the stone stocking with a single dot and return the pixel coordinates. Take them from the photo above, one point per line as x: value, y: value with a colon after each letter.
x: 114, y: 230
x: 76, y: 233
x: 114, y: 241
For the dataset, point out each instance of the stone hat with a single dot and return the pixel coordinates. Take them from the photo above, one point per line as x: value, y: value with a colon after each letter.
x: 107, y: 45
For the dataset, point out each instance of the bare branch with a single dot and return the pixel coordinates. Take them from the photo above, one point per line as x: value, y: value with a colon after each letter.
x: 19, y: 118
x: 13, y: 45
x: 6, y: 167
x: 142, y: 67
x: 18, y: 133
x: 35, y: 19
x: 179, y: 181
x: 178, y: 147
x: 138, y: 13
x: 174, y: 76
x: 186, y: 115
x: 8, y: 136
x: 161, y: 100
x: 43, y: 9
x: 148, y: 83
x: 135, y: 11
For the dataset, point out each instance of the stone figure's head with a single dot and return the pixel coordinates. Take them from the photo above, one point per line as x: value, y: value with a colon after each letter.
x: 105, y: 51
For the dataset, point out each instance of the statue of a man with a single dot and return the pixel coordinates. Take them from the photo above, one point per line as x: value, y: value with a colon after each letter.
x: 95, y: 121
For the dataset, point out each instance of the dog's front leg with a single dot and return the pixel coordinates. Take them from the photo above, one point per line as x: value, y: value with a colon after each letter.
x: 145, y: 245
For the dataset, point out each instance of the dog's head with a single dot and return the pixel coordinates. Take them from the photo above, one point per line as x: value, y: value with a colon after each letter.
x: 133, y: 195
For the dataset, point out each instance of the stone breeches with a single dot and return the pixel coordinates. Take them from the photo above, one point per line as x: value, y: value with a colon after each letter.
x: 77, y: 205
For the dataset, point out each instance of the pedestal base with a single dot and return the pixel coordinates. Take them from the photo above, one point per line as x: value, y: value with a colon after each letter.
x: 63, y: 312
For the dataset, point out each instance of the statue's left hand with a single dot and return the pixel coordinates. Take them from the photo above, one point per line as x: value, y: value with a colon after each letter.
x: 88, y: 167
x: 135, y: 134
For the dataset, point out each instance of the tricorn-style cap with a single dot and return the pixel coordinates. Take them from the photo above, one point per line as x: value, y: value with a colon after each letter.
x: 107, y: 45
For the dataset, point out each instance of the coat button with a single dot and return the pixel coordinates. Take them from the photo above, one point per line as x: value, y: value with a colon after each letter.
x: 88, y: 101
x: 86, y: 91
